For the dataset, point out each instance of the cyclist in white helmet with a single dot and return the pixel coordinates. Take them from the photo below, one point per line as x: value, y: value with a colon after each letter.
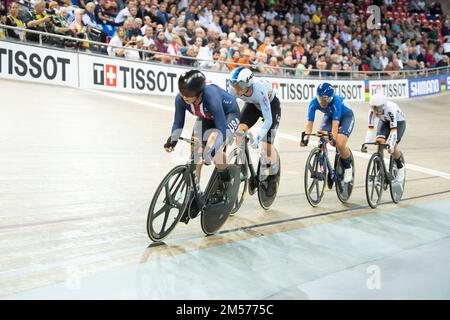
x: 261, y: 101
x: 391, y: 127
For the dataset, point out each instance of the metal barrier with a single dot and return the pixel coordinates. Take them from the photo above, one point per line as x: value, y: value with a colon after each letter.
x: 97, y: 47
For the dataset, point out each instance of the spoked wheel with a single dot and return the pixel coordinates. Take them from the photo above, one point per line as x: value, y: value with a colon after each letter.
x: 168, y: 203
x: 374, y: 180
x: 315, y: 178
x: 343, y: 190
x: 397, y: 187
x: 215, y: 213
x: 268, y: 184
x: 241, y: 161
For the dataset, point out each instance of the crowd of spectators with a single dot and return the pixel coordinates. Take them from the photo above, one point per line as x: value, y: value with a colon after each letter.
x: 277, y: 37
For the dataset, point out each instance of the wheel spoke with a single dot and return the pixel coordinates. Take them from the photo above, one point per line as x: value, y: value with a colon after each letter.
x: 160, y: 211
x: 373, y: 188
x: 181, y: 183
x: 166, y: 217
x: 317, y: 189
x: 311, y: 187
x: 175, y: 182
x: 167, y: 191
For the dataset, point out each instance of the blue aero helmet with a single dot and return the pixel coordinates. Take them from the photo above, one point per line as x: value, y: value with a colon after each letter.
x: 325, y: 91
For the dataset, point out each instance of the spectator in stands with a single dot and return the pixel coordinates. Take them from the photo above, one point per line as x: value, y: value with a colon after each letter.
x: 173, y: 48
x: 245, y: 58
x: 443, y: 62
x: 79, y: 29
x: 147, y: 23
x: 376, y: 64
x: 137, y: 26
x: 235, y: 56
x: 206, y: 52
x: 161, y: 47
x: 162, y: 13
x: 384, y: 59
x: 116, y: 44
x: 148, y: 37
x: 129, y: 51
x: 129, y: 11
x: 142, y: 11
x: 191, y: 52
x: 38, y: 21
x: 12, y: 19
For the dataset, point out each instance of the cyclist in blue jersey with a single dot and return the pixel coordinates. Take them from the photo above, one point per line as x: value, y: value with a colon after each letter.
x: 261, y: 101
x: 338, y: 119
x: 217, y: 115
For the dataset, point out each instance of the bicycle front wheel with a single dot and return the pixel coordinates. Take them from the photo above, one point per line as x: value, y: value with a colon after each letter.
x: 374, y: 180
x: 315, y: 178
x: 168, y: 204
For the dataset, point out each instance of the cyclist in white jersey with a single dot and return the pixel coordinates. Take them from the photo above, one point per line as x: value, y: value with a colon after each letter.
x: 261, y: 101
x: 391, y: 127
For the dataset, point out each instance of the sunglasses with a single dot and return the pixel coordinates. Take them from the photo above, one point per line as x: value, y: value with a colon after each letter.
x: 327, y: 99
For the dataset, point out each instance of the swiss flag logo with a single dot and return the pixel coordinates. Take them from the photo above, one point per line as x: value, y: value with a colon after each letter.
x: 111, y: 75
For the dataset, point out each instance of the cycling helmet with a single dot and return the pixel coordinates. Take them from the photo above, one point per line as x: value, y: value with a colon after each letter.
x: 191, y: 83
x: 378, y: 102
x: 241, y: 78
x: 326, y: 91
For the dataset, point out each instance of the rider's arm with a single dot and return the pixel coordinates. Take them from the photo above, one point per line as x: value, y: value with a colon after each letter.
x: 214, y: 103
x: 267, y: 114
x: 393, y: 134
x: 178, y: 120
x: 311, y: 115
x: 337, y: 114
x: 309, y: 127
x: 370, y: 124
x: 334, y: 128
x: 310, y: 120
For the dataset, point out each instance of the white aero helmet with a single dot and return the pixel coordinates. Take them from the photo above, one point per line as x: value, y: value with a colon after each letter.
x: 241, y: 78
x: 378, y: 101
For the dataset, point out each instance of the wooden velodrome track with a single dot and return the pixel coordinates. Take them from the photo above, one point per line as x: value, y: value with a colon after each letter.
x: 78, y: 170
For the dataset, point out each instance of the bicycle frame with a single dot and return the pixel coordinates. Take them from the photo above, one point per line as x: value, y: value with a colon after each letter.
x: 198, y: 198
x: 380, y: 151
x: 249, y: 159
x: 324, y: 151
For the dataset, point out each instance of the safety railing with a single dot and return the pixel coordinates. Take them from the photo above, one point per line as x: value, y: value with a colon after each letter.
x: 96, y: 47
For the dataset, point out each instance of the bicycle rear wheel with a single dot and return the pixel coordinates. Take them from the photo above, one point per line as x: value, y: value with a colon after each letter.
x: 396, y: 187
x: 168, y: 203
x: 265, y: 199
x: 374, y: 180
x: 243, y: 176
x: 315, y: 178
x: 343, y: 190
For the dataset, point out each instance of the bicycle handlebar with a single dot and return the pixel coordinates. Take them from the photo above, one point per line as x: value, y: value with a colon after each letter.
x: 318, y: 134
x: 383, y: 144
x: 190, y: 141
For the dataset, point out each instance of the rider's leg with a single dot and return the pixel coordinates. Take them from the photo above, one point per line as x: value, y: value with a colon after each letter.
x: 345, y: 129
x: 401, y: 126
x: 345, y: 155
x: 269, y: 155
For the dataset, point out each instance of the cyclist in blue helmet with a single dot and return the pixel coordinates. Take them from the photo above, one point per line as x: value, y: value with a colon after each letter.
x: 338, y: 119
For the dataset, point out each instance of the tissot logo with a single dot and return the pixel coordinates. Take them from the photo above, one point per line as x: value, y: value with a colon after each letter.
x: 105, y: 74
